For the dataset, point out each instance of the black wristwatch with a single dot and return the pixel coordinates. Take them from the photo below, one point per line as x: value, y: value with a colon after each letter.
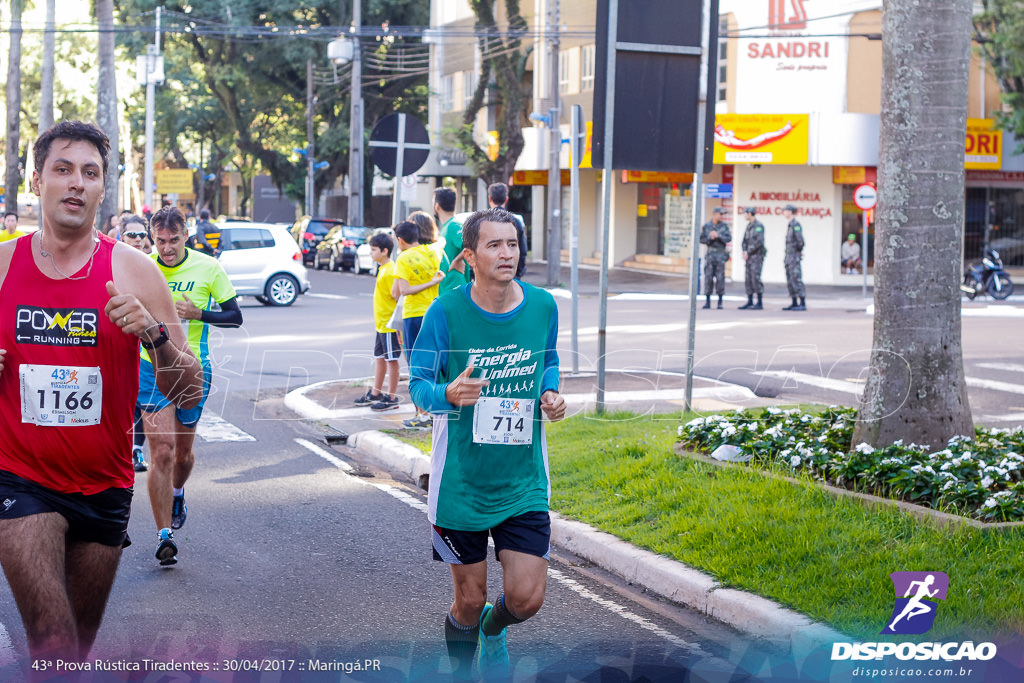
x: 158, y: 342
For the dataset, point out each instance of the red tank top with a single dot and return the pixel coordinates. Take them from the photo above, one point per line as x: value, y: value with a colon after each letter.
x: 58, y: 331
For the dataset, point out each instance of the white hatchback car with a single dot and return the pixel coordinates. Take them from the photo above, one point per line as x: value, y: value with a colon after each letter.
x: 262, y: 260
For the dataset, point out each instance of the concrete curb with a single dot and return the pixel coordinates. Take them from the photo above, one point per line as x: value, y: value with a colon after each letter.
x: 672, y: 580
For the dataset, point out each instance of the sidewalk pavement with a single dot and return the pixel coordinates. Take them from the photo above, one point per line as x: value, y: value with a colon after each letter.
x: 332, y: 403
x: 626, y: 282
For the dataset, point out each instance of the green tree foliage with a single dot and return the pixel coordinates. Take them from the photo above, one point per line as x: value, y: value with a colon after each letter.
x: 236, y: 83
x: 1000, y: 33
x: 501, y: 72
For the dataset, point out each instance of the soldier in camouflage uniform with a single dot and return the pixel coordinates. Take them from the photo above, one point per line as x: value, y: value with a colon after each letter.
x: 716, y: 235
x: 753, y: 254
x: 794, y: 252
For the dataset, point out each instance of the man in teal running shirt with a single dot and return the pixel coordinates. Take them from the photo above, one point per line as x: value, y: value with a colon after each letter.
x: 486, y: 364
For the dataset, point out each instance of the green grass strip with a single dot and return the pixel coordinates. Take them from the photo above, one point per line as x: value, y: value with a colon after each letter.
x: 827, y: 557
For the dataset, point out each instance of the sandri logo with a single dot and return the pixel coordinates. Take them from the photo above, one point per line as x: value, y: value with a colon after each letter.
x: 917, y: 596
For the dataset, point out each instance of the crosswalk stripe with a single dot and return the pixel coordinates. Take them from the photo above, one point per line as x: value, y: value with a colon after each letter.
x: 214, y: 428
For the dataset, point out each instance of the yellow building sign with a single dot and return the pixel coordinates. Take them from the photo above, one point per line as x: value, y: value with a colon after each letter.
x: 174, y: 180
x: 761, y: 138
x: 984, y: 146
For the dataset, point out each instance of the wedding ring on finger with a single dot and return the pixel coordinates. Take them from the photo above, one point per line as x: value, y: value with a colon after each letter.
x: 124, y: 321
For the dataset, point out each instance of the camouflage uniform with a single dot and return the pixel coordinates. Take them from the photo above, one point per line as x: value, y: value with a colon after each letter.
x: 714, y: 265
x: 753, y: 245
x: 794, y: 252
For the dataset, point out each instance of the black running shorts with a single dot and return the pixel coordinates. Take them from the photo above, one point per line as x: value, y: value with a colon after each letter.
x: 100, y: 518
x: 528, y: 533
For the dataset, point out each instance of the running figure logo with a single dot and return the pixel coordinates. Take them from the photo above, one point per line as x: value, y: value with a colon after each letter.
x: 917, y: 594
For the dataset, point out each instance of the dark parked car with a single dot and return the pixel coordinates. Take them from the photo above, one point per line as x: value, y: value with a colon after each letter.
x: 337, y: 250
x: 308, y: 233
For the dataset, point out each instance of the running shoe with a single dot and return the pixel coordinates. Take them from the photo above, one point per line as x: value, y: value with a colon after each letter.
x: 138, y: 461
x: 167, y: 551
x: 179, y: 511
x: 385, y: 403
x: 418, y: 422
x: 369, y: 398
x: 492, y: 657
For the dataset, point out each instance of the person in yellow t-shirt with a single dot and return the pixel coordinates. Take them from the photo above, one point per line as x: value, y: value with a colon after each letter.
x: 416, y: 279
x: 387, y: 347
x: 10, y: 231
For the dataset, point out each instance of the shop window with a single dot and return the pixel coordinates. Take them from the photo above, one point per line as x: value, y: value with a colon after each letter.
x: 994, y: 218
x: 853, y: 224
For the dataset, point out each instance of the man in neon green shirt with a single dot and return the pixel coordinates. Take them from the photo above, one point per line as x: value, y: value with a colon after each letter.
x: 196, y: 282
x: 416, y: 278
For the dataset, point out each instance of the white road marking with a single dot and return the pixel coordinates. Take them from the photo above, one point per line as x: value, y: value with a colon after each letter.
x: 215, y: 428
x: 815, y: 381
x: 327, y: 296
x: 303, y: 338
x: 666, y: 328
x: 623, y: 612
x: 858, y: 388
x: 994, y: 385
x: 571, y: 584
x: 408, y: 499
x: 993, y: 311
x: 337, y: 462
x: 1011, y: 417
x: 1004, y: 367
x: 7, y: 653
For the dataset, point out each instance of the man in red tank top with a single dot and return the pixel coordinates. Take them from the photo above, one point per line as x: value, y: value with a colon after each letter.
x: 74, y: 306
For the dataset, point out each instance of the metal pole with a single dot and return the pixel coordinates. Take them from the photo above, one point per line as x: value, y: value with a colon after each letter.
x: 399, y: 170
x: 355, y: 143
x: 698, y: 203
x: 606, y: 197
x: 574, y: 243
x: 310, y: 145
x: 554, y: 164
x: 864, y: 255
x: 152, y: 54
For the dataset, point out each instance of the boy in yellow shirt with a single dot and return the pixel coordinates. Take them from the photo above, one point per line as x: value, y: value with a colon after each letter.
x: 387, y: 348
x: 416, y: 278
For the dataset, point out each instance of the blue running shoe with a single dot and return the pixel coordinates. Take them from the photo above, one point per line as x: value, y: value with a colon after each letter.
x: 138, y: 461
x: 179, y: 512
x: 492, y: 657
x: 167, y: 551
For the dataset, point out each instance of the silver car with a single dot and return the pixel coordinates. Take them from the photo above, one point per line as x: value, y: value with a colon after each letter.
x: 262, y: 260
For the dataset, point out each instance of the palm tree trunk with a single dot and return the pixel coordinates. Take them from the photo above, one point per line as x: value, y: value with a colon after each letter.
x: 916, y: 389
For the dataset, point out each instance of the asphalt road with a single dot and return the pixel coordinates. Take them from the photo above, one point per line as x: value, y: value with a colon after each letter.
x: 296, y: 553
x: 298, y: 556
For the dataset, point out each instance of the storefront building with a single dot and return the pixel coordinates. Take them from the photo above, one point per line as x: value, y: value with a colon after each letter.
x: 797, y: 122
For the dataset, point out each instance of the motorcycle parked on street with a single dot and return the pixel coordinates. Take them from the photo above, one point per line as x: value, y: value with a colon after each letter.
x: 987, y: 277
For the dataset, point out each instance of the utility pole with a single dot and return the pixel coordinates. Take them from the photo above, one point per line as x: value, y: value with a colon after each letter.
x: 310, y: 146
x: 152, y: 56
x: 554, y: 167
x: 355, y: 143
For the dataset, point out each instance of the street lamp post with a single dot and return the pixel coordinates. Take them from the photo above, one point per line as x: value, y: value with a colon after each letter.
x: 152, y: 70
x: 310, y: 152
x: 340, y: 51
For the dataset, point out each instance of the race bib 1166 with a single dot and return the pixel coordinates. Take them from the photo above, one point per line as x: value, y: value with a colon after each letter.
x: 61, y: 395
